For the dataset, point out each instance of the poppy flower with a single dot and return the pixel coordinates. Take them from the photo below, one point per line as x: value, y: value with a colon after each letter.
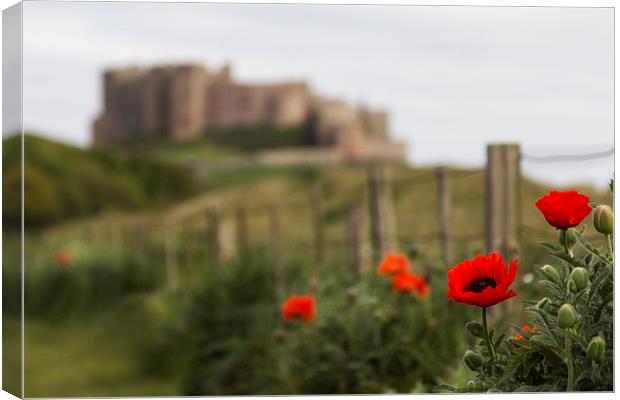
x: 410, y: 282
x: 564, y: 210
x: 529, y: 330
x: 63, y: 258
x: 301, y: 307
x: 518, y: 336
x: 393, y: 264
x: 483, y: 281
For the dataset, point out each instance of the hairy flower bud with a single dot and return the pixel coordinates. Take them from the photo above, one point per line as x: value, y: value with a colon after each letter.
x: 551, y: 273
x: 603, y: 218
x: 567, y: 237
x: 472, y: 360
x: 596, y: 348
x: 567, y: 316
x: 475, y: 329
x: 578, y: 280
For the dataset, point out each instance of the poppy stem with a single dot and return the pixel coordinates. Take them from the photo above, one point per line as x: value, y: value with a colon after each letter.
x: 565, y: 242
x: 569, y: 363
x: 486, y: 334
x: 610, y: 248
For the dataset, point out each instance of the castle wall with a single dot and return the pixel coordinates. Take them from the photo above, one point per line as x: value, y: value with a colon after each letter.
x: 184, y: 102
x: 234, y: 104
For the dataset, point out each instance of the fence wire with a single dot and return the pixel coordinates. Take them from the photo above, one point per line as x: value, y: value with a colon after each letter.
x: 566, y: 157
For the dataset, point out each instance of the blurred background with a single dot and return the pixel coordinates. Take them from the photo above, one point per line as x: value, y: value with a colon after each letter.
x: 187, y: 167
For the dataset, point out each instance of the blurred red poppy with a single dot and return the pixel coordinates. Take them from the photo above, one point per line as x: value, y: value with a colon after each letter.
x: 393, y: 264
x: 518, y: 336
x: 63, y: 257
x: 301, y: 307
x: 411, y: 283
x: 564, y: 209
x: 529, y: 330
x: 483, y: 281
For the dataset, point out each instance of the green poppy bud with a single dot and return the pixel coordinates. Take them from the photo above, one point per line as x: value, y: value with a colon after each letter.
x: 572, y: 287
x: 475, y: 386
x: 578, y: 280
x: 603, y: 218
x: 542, y: 303
x: 596, y: 348
x: 567, y: 316
x: 567, y: 236
x: 551, y: 273
x: 475, y: 329
x: 472, y: 360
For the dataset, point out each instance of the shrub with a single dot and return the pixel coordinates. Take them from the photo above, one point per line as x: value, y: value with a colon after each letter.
x: 568, y: 345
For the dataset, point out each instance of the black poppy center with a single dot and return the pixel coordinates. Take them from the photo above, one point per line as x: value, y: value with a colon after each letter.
x: 478, y: 285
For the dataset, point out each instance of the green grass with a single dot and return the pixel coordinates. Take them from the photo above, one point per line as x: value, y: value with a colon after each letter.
x: 88, y: 355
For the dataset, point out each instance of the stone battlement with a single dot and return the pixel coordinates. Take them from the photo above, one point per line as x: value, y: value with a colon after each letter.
x: 183, y: 102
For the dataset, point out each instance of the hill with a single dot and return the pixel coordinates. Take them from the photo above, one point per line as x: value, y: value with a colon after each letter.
x: 64, y: 181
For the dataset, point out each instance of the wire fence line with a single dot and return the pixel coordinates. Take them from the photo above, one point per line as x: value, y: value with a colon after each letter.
x: 326, y: 211
x: 566, y: 157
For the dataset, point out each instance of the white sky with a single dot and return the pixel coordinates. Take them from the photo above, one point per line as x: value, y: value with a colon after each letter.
x: 452, y: 78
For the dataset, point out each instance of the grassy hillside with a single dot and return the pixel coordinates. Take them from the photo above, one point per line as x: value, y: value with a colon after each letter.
x: 63, y: 181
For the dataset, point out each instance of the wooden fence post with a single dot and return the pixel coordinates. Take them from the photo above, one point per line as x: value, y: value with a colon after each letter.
x: 170, y: 248
x: 316, y: 208
x: 502, y: 214
x: 355, y: 230
x: 443, y: 214
x: 242, y: 230
x: 214, y: 235
x: 381, y: 218
x: 274, y: 233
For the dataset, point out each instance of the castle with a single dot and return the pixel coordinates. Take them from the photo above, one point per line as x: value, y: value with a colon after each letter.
x: 184, y: 102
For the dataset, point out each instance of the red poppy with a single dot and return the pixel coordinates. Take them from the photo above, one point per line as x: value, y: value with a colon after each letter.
x: 564, y: 209
x: 393, y: 264
x: 410, y: 282
x: 518, y: 336
x: 483, y: 281
x: 529, y: 330
x: 63, y: 257
x: 302, y: 307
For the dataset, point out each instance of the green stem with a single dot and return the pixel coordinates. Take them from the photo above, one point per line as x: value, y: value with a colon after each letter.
x: 610, y: 248
x: 486, y: 334
x: 569, y: 363
x: 565, y: 242
x: 544, y: 318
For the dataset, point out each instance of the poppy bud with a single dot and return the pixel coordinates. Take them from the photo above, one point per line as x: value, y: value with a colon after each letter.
x: 542, y: 303
x: 475, y: 386
x: 567, y: 316
x: 472, y: 360
x: 551, y: 273
x: 572, y: 287
x: 596, y: 348
x: 578, y: 280
x: 475, y: 329
x: 567, y: 237
x: 603, y: 219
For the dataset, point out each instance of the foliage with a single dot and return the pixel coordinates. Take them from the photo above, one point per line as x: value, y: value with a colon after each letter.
x: 85, y: 285
x: 568, y: 345
x: 365, y: 338
x: 252, y: 138
x: 63, y: 181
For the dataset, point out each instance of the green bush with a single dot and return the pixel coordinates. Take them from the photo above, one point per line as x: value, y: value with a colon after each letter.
x: 87, y: 283
x: 365, y: 339
x: 63, y: 181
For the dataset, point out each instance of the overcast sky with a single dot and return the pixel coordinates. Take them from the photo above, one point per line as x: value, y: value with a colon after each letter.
x: 452, y: 78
